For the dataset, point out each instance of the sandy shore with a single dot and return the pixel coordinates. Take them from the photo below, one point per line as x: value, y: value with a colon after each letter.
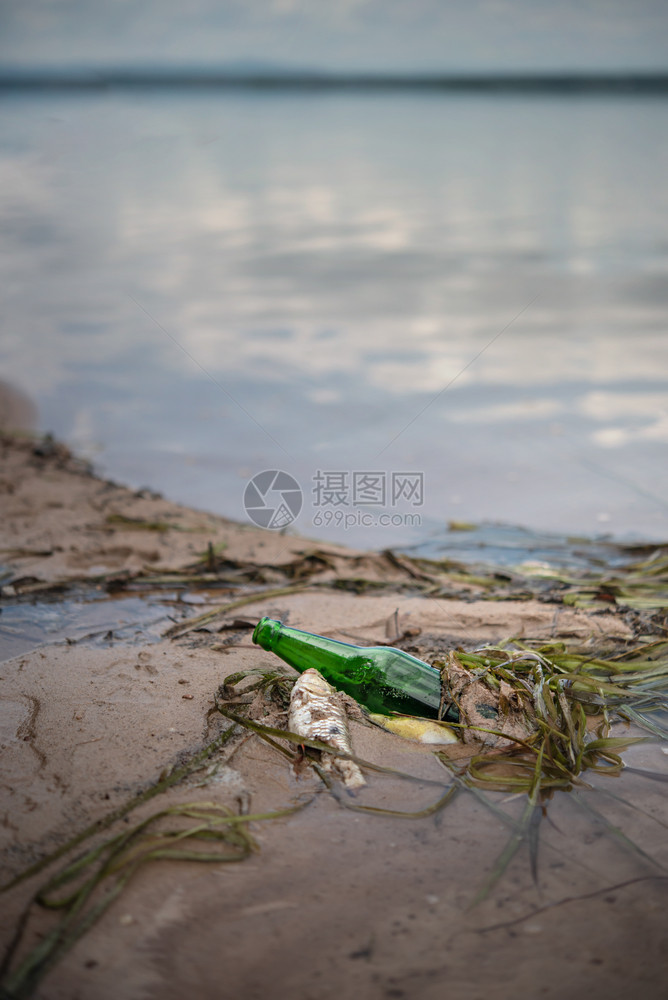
x: 334, y: 902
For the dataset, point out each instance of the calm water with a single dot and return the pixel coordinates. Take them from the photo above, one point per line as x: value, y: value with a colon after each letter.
x: 198, y: 287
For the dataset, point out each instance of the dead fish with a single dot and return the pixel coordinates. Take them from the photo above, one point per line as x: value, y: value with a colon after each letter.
x: 316, y: 713
x: 418, y: 730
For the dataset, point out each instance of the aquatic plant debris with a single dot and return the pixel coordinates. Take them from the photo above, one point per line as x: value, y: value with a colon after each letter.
x: 136, y: 540
x: 561, y: 705
x: 571, y: 698
x: 570, y: 701
x: 195, y: 831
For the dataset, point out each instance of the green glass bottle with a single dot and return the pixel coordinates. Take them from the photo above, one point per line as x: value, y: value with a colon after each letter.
x: 380, y: 677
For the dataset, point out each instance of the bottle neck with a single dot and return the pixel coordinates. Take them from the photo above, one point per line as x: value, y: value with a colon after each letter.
x: 266, y: 633
x: 292, y: 644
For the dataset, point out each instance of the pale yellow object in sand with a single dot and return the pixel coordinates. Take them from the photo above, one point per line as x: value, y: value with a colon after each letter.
x: 418, y: 730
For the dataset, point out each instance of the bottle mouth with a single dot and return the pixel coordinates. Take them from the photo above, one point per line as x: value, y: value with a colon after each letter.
x: 265, y: 632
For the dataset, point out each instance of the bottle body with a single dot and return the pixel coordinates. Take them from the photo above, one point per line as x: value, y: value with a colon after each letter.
x: 380, y: 677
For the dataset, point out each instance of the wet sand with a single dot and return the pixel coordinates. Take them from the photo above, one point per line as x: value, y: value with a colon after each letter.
x: 334, y: 902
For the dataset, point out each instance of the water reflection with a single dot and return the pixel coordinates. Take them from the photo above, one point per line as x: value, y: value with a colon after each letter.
x: 181, y: 269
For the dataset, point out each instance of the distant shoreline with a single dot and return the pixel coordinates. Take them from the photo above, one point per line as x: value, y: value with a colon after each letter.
x: 636, y: 83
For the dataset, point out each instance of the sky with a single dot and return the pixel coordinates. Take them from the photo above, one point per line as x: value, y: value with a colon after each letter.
x: 339, y: 35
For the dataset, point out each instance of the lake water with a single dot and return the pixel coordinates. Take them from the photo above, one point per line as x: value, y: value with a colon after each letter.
x: 198, y: 287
